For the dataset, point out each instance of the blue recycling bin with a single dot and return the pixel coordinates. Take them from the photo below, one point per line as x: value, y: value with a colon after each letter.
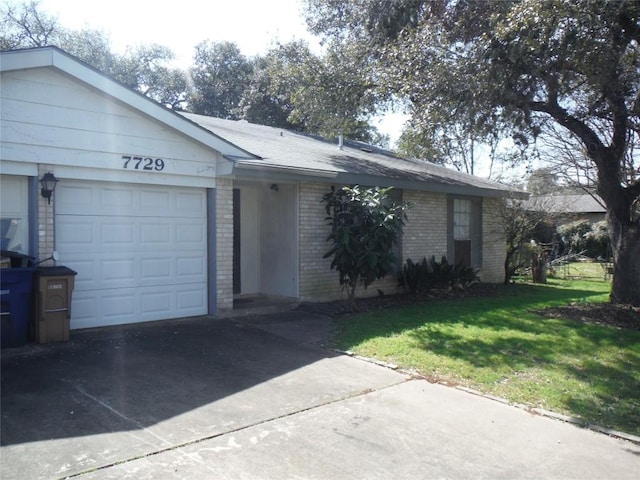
x: 16, y: 287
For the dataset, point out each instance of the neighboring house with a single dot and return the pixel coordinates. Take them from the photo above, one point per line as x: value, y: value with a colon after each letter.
x: 166, y: 215
x: 571, y: 207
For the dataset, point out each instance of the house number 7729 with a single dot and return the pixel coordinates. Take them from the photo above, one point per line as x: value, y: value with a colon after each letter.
x: 142, y: 163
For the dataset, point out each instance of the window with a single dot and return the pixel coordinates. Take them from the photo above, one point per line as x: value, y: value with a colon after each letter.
x: 11, y: 234
x: 14, y: 213
x: 464, y: 243
x: 461, y: 219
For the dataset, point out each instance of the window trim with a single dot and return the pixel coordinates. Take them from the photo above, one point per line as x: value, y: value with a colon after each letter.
x: 475, y: 227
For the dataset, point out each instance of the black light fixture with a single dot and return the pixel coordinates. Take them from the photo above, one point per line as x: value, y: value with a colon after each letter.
x: 274, y: 187
x: 48, y: 182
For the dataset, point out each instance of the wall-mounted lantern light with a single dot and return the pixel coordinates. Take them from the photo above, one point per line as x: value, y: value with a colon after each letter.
x: 48, y: 182
x: 274, y: 187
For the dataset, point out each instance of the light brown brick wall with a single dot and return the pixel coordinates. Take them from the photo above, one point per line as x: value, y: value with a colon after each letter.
x: 425, y: 233
x: 317, y: 281
x: 224, y: 244
x: 493, y: 243
x: 46, y: 231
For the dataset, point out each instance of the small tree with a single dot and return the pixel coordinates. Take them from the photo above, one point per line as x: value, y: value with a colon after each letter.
x: 518, y: 221
x: 365, y: 225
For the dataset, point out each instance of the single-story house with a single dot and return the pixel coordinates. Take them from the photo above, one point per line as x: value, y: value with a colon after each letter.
x: 166, y: 215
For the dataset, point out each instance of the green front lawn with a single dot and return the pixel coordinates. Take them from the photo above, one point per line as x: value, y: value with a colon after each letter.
x: 499, y: 346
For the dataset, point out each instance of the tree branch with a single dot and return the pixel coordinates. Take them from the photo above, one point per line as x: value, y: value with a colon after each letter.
x: 588, y: 137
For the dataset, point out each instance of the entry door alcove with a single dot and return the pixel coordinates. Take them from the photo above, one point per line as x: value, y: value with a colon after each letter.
x: 267, y: 240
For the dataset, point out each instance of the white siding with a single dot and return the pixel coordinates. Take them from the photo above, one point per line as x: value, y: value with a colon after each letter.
x: 48, y: 117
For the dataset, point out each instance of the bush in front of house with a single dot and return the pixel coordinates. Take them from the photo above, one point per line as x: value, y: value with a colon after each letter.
x: 365, y: 226
x: 415, y: 277
x: 423, y: 276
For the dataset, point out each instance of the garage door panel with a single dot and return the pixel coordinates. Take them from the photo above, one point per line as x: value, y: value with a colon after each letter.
x: 190, y: 269
x: 87, y: 272
x: 156, y: 303
x: 140, y: 251
x: 118, y: 305
x: 95, y: 308
x: 155, y: 234
x: 116, y: 199
x: 127, y: 200
x: 190, y: 299
x: 119, y: 233
x: 85, y: 310
x: 118, y: 271
x: 156, y: 268
x: 82, y: 233
x: 190, y: 234
x: 193, y: 203
x: 74, y: 234
x: 77, y: 198
x: 144, y: 270
x: 153, y: 200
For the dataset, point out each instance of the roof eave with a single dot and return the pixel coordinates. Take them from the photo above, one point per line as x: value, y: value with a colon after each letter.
x: 253, y: 170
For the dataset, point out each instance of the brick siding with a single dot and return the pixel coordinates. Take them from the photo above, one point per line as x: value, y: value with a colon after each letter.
x: 46, y: 231
x: 317, y: 281
x: 224, y: 244
x: 494, y: 249
x: 425, y: 233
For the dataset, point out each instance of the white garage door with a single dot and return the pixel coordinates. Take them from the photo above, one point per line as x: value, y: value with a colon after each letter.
x: 139, y: 250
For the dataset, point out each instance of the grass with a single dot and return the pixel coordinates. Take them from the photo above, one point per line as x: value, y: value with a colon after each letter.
x: 499, y: 346
x: 580, y: 270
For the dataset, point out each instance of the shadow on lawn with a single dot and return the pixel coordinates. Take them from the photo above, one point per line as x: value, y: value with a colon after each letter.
x: 466, y: 310
x: 502, y: 334
x: 616, y: 391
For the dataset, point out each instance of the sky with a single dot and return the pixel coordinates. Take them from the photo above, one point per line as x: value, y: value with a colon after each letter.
x: 254, y: 25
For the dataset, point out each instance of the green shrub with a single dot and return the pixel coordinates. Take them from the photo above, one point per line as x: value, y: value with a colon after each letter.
x: 597, y: 240
x: 425, y: 275
x: 583, y: 237
x: 415, y: 277
x: 365, y: 226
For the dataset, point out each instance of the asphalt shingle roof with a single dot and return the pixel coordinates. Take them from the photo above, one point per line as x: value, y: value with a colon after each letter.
x: 356, y: 162
x: 576, y: 203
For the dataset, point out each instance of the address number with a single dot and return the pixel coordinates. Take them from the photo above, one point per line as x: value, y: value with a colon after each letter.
x: 142, y: 163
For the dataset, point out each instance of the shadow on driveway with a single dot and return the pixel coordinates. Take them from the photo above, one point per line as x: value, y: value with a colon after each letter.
x: 137, y: 376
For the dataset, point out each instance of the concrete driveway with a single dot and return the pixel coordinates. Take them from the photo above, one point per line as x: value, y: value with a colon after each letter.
x: 259, y: 398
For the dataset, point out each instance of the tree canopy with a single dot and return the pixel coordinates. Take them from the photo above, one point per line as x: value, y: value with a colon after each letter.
x: 516, y: 68
x: 292, y: 87
x: 220, y: 76
x: 144, y: 68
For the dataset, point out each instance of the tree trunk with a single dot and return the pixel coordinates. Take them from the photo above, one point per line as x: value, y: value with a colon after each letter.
x: 507, y: 267
x: 625, y: 242
x: 539, y: 266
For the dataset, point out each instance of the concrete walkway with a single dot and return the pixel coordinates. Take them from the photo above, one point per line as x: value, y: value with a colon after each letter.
x: 257, y: 397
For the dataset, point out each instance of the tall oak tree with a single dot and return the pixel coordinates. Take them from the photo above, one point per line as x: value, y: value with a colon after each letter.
x: 518, y: 66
